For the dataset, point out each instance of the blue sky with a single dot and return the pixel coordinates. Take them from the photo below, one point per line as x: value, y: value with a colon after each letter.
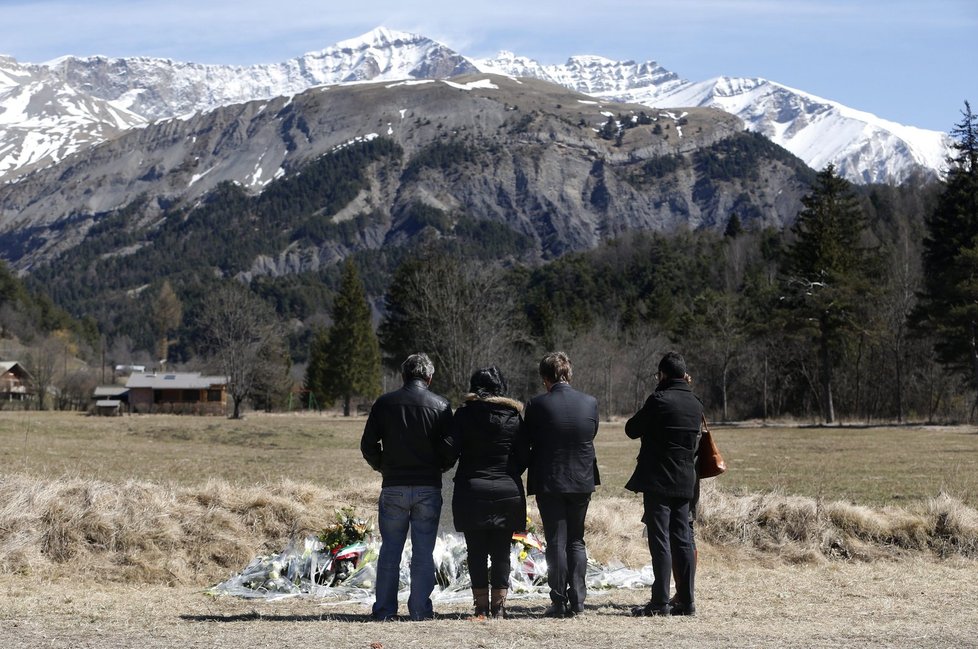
x: 914, y: 62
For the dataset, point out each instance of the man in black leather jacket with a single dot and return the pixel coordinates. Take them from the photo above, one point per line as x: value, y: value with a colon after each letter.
x: 405, y: 439
x: 669, y: 427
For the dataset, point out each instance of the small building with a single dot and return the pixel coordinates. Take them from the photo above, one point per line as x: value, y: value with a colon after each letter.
x: 111, y: 400
x: 108, y: 407
x: 178, y: 392
x: 14, y: 382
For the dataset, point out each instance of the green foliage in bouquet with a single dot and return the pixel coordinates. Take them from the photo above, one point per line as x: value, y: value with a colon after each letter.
x: 346, y: 530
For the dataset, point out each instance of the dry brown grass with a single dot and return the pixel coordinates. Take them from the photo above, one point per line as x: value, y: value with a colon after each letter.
x: 140, y: 532
x: 110, y: 528
x: 798, y: 528
x: 147, y: 533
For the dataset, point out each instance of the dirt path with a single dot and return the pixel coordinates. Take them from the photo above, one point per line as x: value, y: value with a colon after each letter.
x: 742, y: 603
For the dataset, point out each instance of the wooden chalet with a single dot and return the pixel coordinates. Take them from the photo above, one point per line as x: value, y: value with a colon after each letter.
x: 178, y: 392
x: 15, y: 382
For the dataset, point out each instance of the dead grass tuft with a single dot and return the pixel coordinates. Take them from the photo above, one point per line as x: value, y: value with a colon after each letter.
x: 801, y: 529
x: 614, y: 531
x: 142, y: 532
x: 151, y: 533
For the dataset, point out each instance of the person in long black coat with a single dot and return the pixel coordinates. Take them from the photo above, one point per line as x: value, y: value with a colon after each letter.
x: 561, y: 425
x: 489, y: 503
x: 668, y: 425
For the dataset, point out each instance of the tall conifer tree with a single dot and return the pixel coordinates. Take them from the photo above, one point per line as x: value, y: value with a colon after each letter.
x: 949, y: 306
x: 829, y: 274
x: 349, y: 363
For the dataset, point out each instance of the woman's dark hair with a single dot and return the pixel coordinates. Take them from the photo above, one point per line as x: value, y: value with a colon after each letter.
x: 487, y: 382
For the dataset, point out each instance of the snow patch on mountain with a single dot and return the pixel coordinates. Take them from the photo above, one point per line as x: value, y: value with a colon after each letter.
x: 484, y: 84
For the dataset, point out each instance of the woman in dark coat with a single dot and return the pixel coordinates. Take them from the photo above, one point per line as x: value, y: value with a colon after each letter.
x: 489, y: 503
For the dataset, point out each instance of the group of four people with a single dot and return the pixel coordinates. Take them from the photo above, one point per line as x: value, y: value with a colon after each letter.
x: 411, y: 437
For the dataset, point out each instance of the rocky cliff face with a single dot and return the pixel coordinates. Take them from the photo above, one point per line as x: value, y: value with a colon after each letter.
x: 532, y: 157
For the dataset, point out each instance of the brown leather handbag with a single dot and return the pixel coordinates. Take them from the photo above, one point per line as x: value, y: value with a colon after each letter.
x: 709, y: 462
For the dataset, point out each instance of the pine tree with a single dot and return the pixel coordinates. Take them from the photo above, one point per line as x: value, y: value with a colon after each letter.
x: 734, y: 227
x: 829, y: 274
x: 350, y: 357
x: 949, y: 306
x: 609, y: 129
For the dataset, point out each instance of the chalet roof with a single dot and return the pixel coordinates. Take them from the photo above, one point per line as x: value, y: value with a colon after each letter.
x: 175, y: 381
x: 6, y: 366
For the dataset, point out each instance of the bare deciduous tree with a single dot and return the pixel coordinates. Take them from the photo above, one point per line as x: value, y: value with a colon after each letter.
x: 460, y: 314
x: 241, y: 333
x: 166, y: 316
x: 43, y: 361
x: 75, y: 388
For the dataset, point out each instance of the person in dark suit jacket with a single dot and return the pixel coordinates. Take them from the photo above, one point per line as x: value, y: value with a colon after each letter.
x: 561, y: 425
x: 669, y: 427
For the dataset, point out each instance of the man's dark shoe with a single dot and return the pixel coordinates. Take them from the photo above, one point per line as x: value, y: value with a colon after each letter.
x: 681, y: 608
x: 556, y: 609
x: 575, y: 610
x: 651, y: 610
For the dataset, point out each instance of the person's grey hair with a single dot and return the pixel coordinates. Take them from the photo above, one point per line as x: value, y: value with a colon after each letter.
x: 556, y: 367
x: 417, y: 366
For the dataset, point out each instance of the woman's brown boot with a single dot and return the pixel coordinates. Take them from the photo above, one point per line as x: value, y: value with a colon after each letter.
x: 480, y: 602
x: 497, y: 607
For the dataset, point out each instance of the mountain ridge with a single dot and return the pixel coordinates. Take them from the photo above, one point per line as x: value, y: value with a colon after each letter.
x: 863, y: 150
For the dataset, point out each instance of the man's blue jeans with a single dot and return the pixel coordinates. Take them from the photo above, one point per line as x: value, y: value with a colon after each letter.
x: 401, y: 509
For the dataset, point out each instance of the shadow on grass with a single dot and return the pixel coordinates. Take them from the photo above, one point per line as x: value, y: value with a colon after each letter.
x: 860, y: 426
x: 254, y: 616
x: 513, y: 612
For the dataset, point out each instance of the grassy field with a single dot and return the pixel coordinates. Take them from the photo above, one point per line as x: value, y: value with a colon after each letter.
x: 110, y: 529
x: 864, y: 465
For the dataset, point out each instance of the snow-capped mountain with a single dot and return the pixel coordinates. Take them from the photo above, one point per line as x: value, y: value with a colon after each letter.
x: 44, y: 120
x: 161, y: 88
x: 592, y: 75
x: 863, y: 147
x: 48, y: 110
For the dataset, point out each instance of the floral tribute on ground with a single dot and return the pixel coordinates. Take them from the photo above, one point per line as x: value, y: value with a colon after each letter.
x: 340, y: 563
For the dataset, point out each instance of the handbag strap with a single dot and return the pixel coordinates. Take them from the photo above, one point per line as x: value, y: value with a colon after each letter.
x: 706, y: 428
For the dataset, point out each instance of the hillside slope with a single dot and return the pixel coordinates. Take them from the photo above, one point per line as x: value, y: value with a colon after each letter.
x: 542, y: 161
